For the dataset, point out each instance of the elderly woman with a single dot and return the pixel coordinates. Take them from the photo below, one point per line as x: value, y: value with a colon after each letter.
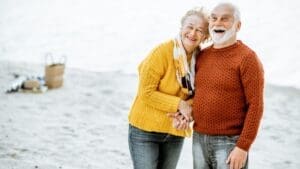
x: 166, y: 83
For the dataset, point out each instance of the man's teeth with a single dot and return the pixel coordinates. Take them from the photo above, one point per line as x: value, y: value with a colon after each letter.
x: 219, y: 31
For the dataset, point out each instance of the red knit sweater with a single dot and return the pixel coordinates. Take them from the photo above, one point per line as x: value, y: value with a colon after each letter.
x: 229, y: 93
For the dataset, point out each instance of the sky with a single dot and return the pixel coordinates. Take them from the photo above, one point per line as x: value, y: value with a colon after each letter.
x: 116, y: 35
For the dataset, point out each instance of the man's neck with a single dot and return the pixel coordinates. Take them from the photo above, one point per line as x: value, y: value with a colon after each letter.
x: 225, y: 44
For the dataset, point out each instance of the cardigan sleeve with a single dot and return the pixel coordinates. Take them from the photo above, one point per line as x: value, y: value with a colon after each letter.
x: 151, y: 70
x: 252, y: 77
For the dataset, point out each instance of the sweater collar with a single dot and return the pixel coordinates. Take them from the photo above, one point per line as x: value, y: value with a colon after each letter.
x: 233, y: 46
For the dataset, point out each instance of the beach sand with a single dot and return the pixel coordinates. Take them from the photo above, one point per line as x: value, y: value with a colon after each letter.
x: 83, y: 125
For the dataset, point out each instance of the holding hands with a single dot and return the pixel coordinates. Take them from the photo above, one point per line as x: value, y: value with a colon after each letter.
x: 183, y: 117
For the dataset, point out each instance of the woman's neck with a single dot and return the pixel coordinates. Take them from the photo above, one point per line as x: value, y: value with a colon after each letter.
x: 189, y: 55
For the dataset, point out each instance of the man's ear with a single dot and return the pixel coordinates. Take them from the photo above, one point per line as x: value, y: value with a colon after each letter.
x: 238, y: 26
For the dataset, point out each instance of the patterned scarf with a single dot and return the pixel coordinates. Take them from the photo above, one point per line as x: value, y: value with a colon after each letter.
x: 185, y: 73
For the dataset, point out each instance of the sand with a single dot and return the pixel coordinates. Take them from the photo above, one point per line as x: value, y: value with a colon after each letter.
x: 83, y: 125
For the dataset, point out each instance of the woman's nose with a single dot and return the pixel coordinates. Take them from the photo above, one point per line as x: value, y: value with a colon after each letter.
x: 193, y: 32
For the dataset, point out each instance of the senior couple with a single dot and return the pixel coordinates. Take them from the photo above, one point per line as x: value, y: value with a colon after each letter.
x: 217, y: 91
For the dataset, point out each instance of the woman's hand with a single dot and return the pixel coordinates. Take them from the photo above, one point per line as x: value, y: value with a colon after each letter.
x: 179, y: 121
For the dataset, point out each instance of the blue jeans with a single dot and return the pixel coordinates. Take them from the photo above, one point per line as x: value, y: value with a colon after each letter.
x: 211, y: 152
x: 151, y: 150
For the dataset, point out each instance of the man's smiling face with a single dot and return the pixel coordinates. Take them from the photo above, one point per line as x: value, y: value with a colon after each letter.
x: 223, y: 25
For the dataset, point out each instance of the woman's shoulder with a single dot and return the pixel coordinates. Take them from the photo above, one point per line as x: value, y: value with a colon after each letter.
x: 163, y: 50
x: 165, y: 45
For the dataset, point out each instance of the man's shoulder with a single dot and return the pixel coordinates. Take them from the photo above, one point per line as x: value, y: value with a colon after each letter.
x: 245, y: 49
x: 250, y: 57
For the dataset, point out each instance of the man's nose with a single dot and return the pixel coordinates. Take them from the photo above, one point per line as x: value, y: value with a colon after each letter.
x: 218, y: 22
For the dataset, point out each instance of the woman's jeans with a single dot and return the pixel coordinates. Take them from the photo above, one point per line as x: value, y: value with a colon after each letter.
x: 151, y: 150
x: 211, y: 152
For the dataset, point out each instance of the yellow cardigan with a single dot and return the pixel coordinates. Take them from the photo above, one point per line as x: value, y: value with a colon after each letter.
x: 158, y: 93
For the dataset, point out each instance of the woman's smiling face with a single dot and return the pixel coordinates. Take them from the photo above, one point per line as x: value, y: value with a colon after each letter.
x: 193, y: 32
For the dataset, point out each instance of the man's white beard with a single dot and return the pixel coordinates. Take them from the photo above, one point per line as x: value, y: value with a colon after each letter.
x: 220, y: 39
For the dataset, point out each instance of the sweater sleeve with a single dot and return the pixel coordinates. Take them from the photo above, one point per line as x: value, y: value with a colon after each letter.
x: 252, y: 77
x: 151, y: 71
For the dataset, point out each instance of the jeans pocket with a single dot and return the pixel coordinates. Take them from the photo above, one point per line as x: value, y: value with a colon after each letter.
x: 139, y: 136
x: 224, y: 140
x: 233, y: 138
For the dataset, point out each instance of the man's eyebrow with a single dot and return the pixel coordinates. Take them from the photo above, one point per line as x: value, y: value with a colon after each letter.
x: 224, y: 15
x: 227, y: 15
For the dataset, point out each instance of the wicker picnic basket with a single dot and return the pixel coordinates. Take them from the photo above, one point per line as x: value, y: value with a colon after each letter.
x: 54, y: 71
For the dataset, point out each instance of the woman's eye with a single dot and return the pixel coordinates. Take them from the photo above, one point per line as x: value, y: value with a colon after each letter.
x: 199, y: 31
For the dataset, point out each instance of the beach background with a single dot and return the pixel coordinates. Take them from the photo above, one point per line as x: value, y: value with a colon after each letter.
x: 83, y: 125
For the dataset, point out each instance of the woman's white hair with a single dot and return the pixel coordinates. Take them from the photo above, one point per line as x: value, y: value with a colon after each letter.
x: 200, y: 12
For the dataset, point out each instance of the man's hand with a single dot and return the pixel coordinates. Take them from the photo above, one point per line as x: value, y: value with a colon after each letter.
x: 186, y: 110
x: 179, y: 121
x: 237, y: 158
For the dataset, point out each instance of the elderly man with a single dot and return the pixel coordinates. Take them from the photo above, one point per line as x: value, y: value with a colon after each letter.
x: 228, y: 102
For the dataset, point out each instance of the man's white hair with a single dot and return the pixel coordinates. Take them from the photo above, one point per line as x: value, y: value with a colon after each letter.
x: 236, y: 11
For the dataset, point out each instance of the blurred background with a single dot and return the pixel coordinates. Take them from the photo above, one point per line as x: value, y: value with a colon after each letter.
x: 84, y: 124
x: 105, y: 35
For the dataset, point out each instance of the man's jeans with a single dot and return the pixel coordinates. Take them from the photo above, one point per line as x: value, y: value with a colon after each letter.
x: 151, y: 150
x: 211, y: 152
